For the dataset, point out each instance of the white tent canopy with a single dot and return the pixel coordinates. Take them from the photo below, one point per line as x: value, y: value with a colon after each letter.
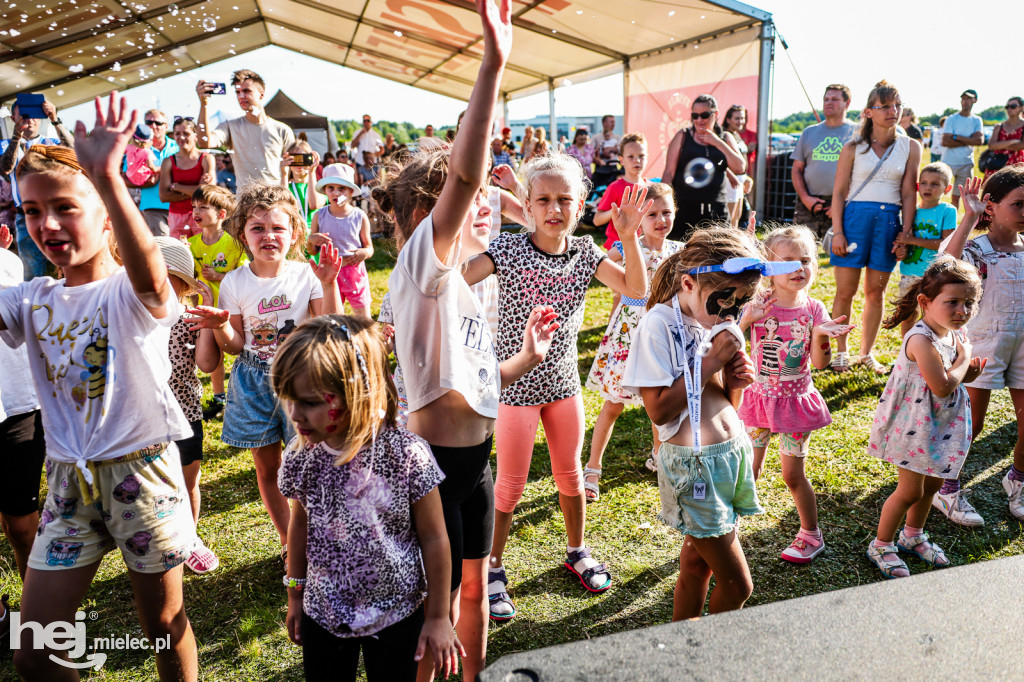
x: 72, y: 50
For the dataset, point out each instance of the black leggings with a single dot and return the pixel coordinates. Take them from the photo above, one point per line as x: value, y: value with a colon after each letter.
x: 467, y: 499
x: 387, y: 655
x: 693, y: 216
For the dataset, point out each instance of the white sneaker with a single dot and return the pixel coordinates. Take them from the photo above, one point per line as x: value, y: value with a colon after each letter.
x: 957, y: 509
x: 1013, y: 489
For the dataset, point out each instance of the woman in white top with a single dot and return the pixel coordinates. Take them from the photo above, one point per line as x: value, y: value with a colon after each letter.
x: 876, y: 179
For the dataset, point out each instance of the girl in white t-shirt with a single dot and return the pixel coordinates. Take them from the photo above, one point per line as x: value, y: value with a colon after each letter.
x: 697, y: 292
x: 260, y: 304
x: 548, y: 266
x: 97, y: 346
x: 442, y: 339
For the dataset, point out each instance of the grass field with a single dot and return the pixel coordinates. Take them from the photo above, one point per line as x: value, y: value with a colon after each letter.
x: 238, y: 611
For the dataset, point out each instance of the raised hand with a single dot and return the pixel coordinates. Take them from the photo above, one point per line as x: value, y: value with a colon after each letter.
x: 329, y: 266
x: 758, y: 309
x: 505, y: 177
x: 205, y: 293
x: 835, y: 328
x: 497, y: 28
x: 540, y: 331
x: 6, y: 238
x: 207, y: 317
x: 969, y: 193
x: 99, y: 152
x: 752, y: 224
x: 628, y: 217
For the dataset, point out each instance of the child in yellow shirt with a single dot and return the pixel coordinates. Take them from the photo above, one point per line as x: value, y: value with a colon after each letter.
x: 216, y: 253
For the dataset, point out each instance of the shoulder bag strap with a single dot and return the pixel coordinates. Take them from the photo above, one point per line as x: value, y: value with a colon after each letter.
x: 873, y: 170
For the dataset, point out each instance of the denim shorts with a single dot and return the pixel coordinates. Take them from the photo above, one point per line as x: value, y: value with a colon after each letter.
x: 729, y: 493
x: 873, y: 228
x: 253, y: 417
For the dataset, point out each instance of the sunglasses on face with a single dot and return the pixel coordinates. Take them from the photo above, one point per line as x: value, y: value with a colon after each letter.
x: 704, y: 115
x: 1012, y: 105
x: 156, y: 123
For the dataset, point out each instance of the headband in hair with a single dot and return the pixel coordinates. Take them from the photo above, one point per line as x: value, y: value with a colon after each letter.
x: 343, y: 330
x: 734, y: 266
x: 58, y: 153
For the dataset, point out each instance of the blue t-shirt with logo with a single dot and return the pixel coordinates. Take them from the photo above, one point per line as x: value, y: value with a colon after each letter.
x: 929, y: 223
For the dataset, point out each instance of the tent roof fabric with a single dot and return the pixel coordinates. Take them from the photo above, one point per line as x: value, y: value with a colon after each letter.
x: 73, y: 50
x: 284, y: 109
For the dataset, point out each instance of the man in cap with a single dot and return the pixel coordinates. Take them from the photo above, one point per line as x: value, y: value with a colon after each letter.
x: 961, y: 134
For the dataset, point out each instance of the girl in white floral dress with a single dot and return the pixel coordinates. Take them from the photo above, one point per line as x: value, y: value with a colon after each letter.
x: 923, y: 420
x: 606, y: 372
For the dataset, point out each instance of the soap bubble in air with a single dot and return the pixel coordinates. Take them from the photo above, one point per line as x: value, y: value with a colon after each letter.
x: 699, y: 173
x: 209, y: 25
x: 173, y: 9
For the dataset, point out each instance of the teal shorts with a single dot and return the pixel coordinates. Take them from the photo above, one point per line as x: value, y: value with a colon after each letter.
x: 729, y: 490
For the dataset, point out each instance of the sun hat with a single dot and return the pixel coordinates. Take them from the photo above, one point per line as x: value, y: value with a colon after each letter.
x: 338, y: 174
x: 179, y: 260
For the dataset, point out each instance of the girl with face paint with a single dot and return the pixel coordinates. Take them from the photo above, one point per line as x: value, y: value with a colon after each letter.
x: 691, y: 380
x: 789, y: 332
x: 355, y: 474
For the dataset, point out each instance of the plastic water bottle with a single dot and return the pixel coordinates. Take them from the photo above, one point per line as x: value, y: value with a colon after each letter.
x: 699, y: 173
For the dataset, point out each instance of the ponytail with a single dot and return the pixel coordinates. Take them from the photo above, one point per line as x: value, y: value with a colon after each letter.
x: 942, y: 271
x: 905, y: 307
x: 665, y: 283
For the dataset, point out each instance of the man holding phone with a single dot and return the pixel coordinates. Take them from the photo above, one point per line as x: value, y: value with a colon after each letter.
x: 257, y: 141
x: 26, y: 134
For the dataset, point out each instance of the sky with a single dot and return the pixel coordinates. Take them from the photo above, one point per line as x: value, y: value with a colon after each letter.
x: 928, y: 55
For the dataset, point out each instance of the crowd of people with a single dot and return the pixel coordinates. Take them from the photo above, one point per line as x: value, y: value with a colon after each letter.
x: 392, y: 528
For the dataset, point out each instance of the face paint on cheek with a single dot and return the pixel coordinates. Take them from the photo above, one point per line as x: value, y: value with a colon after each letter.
x: 715, y: 305
x: 331, y: 428
x: 333, y: 414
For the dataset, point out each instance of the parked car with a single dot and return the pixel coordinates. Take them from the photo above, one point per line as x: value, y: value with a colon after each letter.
x: 782, y: 142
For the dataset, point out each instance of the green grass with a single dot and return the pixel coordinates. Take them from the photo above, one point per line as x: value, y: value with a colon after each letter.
x: 238, y: 612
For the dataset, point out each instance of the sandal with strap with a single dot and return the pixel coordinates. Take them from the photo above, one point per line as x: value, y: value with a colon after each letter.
x: 933, y: 554
x: 840, y: 361
x: 877, y: 556
x: 589, y: 487
x: 598, y: 574
x: 870, y: 362
x: 502, y: 609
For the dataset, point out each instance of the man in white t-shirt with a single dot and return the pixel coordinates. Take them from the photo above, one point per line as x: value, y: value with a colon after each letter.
x: 606, y: 158
x: 962, y: 132
x: 257, y: 141
x: 368, y: 144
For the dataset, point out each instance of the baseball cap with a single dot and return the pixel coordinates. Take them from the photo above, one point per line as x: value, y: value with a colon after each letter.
x: 142, y: 132
x: 970, y: 93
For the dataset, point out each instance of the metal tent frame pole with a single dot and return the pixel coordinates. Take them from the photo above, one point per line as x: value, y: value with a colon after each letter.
x: 763, y: 114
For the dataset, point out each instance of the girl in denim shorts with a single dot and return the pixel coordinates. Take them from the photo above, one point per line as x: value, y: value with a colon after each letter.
x: 682, y: 365
x: 261, y: 303
x: 97, y: 348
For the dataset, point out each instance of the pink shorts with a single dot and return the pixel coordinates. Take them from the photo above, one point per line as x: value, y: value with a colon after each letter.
x: 182, y: 226
x: 354, y: 284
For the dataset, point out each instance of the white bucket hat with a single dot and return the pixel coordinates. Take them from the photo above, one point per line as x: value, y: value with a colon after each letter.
x: 338, y: 174
x: 180, y: 262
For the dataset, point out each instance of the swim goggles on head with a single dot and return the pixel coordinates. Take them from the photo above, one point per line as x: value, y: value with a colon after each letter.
x: 734, y: 266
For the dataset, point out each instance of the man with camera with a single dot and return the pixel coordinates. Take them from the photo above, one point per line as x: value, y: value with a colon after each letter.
x: 257, y: 141
x: 26, y: 133
x: 815, y: 158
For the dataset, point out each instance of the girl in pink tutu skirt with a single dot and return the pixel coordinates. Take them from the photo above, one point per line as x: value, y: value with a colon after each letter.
x: 789, y: 331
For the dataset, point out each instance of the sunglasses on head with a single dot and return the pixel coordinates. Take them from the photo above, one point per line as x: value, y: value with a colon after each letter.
x: 178, y: 119
x: 705, y: 115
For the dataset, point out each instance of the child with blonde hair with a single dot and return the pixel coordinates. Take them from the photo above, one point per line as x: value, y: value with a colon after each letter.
x: 789, y: 333
x: 332, y: 374
x: 606, y: 372
x: 260, y: 303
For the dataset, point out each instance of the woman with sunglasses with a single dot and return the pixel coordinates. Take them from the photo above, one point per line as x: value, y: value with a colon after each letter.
x: 700, y: 205
x: 876, y: 183
x: 1008, y: 136
x: 181, y: 174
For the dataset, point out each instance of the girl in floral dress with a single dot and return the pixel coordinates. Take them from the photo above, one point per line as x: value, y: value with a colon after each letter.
x: 923, y: 420
x: 606, y: 372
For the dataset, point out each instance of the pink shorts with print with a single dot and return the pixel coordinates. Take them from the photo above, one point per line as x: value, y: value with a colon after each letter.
x: 354, y: 284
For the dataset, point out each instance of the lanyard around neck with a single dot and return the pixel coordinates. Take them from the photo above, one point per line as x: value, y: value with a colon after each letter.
x: 693, y: 385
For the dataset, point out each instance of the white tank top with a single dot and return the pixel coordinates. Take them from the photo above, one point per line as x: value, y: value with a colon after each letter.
x: 884, y: 188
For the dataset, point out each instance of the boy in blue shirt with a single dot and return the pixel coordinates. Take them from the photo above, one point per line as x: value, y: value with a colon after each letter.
x: 933, y: 222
